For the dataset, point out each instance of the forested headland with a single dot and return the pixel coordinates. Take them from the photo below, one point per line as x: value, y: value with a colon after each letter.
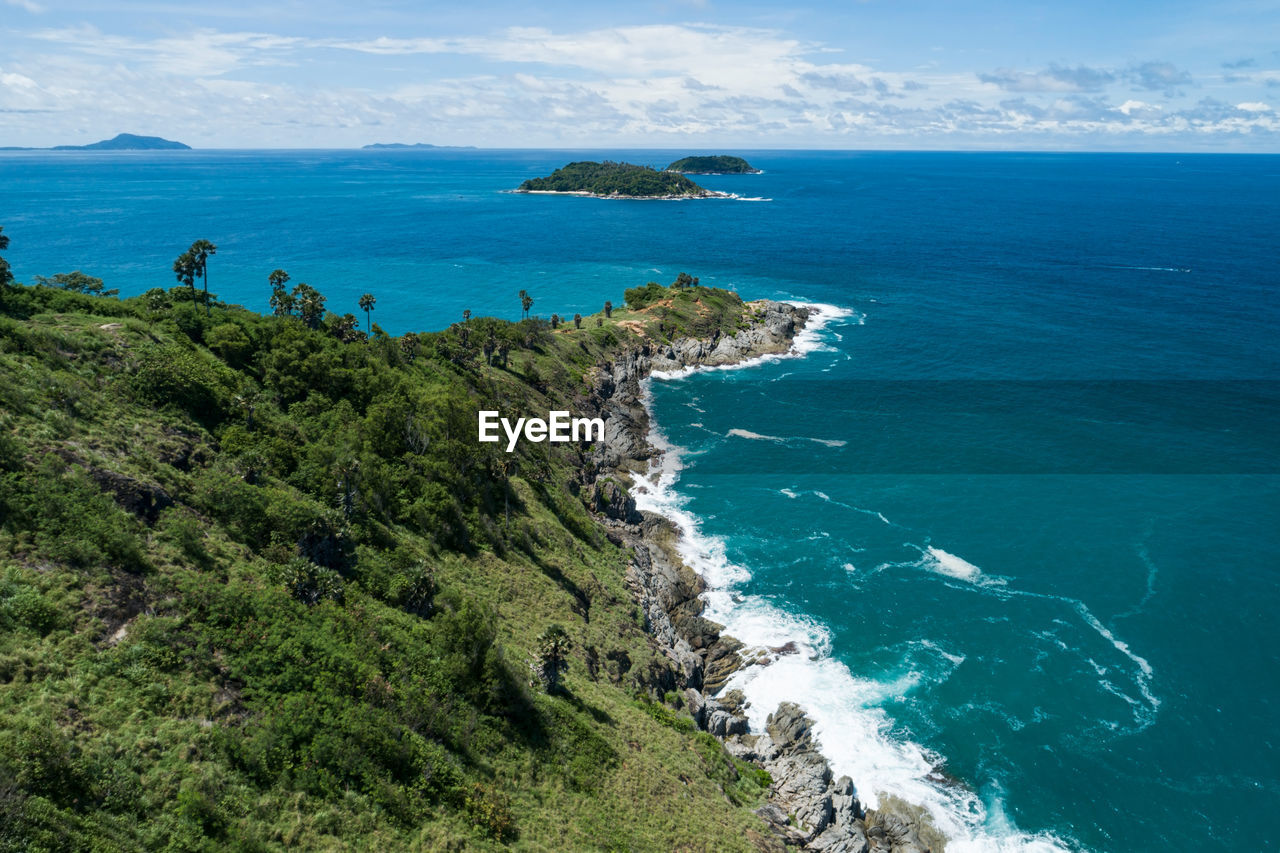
x: 261, y: 588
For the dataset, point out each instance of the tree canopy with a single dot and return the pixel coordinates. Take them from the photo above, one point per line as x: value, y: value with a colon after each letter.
x: 614, y: 179
x: 716, y: 164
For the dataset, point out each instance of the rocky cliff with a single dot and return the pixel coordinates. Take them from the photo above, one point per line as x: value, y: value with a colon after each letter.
x: 807, y: 808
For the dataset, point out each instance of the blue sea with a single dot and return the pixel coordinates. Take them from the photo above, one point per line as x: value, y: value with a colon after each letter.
x: 1016, y: 503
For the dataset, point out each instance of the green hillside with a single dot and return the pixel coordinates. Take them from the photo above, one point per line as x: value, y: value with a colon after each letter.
x: 262, y: 589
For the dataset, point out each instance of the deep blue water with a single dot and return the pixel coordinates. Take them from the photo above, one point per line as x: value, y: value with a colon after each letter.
x: 1035, y: 538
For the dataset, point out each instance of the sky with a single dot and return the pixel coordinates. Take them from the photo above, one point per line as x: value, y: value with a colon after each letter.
x: 1126, y: 75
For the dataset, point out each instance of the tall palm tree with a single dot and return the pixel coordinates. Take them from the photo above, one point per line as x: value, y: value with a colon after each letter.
x: 6, y: 275
x: 184, y: 269
x: 466, y: 314
x: 310, y: 304
x: 366, y: 302
x: 490, y: 344
x: 281, y: 301
x: 200, y: 251
x: 608, y: 308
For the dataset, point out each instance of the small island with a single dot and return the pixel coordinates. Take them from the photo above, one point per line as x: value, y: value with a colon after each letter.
x: 415, y: 146
x: 119, y: 142
x: 717, y: 164
x: 128, y: 142
x: 617, y: 180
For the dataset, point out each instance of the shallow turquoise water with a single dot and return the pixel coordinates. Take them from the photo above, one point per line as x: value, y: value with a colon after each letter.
x: 1034, y: 541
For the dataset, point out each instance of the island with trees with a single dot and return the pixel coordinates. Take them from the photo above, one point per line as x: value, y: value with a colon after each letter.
x: 717, y: 164
x: 119, y: 142
x: 617, y: 180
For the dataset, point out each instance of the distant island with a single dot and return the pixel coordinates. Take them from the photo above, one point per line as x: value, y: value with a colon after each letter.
x: 120, y: 142
x: 617, y: 180
x: 717, y: 164
x: 400, y: 146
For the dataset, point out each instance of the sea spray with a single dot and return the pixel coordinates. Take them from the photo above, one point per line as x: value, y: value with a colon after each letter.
x: 855, y: 734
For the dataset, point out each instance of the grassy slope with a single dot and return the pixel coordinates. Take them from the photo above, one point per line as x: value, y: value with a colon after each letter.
x: 163, y: 685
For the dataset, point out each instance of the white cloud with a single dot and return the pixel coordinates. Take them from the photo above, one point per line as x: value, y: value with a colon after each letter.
x: 658, y: 84
x: 33, y: 8
x: 199, y: 53
x: 1138, y: 108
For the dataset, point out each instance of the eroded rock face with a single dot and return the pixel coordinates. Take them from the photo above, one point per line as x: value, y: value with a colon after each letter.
x: 807, y: 808
x: 819, y: 807
x: 616, y: 392
x: 610, y: 499
x: 774, y: 327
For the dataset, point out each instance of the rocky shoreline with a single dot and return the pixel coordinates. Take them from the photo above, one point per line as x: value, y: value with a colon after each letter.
x: 807, y: 808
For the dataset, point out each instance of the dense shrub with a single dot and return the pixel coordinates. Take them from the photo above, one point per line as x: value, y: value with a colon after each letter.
x: 181, y: 376
x: 642, y: 297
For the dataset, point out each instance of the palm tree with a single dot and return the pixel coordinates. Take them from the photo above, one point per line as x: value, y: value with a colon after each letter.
x: 490, y: 344
x: 281, y: 301
x: 200, y: 251
x: 409, y: 345
x: 577, y: 321
x: 366, y: 302
x: 526, y: 302
x: 6, y: 275
x: 466, y: 314
x: 184, y: 268
x: 608, y: 308
x: 552, y: 657
x: 310, y: 304
x: 555, y: 321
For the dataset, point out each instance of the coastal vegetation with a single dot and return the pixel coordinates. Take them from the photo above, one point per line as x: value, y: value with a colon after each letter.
x: 610, y: 179
x: 260, y: 587
x: 717, y: 164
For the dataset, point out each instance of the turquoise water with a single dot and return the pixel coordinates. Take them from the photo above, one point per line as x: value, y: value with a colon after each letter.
x: 1017, y: 504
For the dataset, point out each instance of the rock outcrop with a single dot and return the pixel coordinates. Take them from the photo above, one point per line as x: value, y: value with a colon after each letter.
x: 807, y: 808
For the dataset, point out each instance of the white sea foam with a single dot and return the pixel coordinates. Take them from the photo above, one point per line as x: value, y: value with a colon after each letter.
x: 955, y: 659
x: 1145, y: 672
x: 1153, y: 572
x: 950, y: 564
x: 742, y: 433
x: 855, y: 734
x: 755, y: 436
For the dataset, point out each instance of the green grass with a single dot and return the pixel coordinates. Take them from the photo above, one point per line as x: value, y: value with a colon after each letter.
x: 262, y: 589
